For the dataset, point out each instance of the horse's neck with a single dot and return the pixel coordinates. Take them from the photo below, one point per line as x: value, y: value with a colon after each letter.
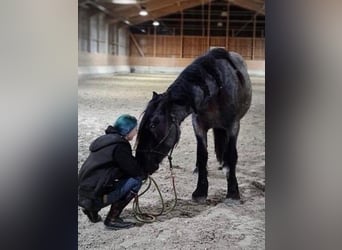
x: 181, y: 115
x: 185, y: 104
x: 181, y: 112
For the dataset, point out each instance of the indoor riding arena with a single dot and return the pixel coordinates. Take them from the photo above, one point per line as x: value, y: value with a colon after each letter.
x: 130, y: 49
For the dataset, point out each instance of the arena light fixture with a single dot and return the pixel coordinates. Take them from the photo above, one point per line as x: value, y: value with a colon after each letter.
x: 143, y: 11
x: 127, y: 22
x: 155, y: 23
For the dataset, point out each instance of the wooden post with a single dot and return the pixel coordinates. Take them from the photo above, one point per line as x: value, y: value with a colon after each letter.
x: 89, y: 34
x: 154, y: 41
x: 98, y: 33
x: 112, y: 37
x: 227, y: 26
x: 209, y: 10
x: 253, y: 44
x: 203, y: 25
x: 117, y: 39
x: 181, y: 35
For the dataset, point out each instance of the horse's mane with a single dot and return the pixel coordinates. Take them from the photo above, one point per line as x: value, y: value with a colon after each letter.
x: 204, y: 65
x: 181, y: 90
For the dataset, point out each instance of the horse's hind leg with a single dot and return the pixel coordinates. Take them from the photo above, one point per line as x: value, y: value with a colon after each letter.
x: 230, y: 160
x: 201, y: 192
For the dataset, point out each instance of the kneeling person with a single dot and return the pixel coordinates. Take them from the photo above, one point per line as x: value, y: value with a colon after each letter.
x: 110, y: 175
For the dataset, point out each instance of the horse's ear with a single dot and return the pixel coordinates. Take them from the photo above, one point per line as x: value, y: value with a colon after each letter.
x: 154, y: 94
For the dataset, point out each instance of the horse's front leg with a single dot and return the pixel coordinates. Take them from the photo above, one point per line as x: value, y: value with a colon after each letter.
x: 201, y: 192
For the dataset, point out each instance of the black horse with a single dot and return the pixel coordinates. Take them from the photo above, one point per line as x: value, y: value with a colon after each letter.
x: 216, y: 90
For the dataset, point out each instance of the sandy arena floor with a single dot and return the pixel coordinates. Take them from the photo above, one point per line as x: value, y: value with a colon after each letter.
x: 214, y: 225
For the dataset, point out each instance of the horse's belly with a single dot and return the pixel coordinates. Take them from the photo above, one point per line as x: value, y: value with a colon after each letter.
x: 214, y: 116
x: 221, y: 114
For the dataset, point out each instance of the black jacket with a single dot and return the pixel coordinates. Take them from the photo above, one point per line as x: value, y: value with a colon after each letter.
x: 110, y: 159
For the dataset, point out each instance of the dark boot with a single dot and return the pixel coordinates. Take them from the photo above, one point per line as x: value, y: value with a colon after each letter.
x: 113, y: 221
x: 93, y: 216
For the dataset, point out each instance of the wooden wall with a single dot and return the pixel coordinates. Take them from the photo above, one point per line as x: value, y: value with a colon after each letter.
x: 193, y: 46
x: 252, y: 65
x: 95, y: 63
x: 97, y: 59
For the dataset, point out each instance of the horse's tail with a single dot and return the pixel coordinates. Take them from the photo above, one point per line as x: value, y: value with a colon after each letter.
x: 220, y: 140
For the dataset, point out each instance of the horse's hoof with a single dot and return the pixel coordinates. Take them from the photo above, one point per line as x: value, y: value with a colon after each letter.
x: 230, y: 201
x: 200, y: 200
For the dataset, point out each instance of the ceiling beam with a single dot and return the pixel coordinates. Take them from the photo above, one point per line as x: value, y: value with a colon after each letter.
x: 159, y: 8
x: 257, y: 6
x: 150, y: 7
x: 198, y: 20
x: 168, y: 10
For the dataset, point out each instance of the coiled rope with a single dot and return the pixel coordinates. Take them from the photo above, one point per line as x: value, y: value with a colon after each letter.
x: 151, y: 217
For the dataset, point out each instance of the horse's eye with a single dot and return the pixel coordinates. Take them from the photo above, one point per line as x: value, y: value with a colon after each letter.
x: 154, y: 123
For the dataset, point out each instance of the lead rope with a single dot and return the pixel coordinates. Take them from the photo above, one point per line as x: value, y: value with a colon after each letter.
x: 151, y: 217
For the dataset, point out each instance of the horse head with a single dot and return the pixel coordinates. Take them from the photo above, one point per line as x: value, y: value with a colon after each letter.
x: 158, y: 133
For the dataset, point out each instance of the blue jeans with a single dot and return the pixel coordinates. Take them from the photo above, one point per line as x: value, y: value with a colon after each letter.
x: 122, y: 189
